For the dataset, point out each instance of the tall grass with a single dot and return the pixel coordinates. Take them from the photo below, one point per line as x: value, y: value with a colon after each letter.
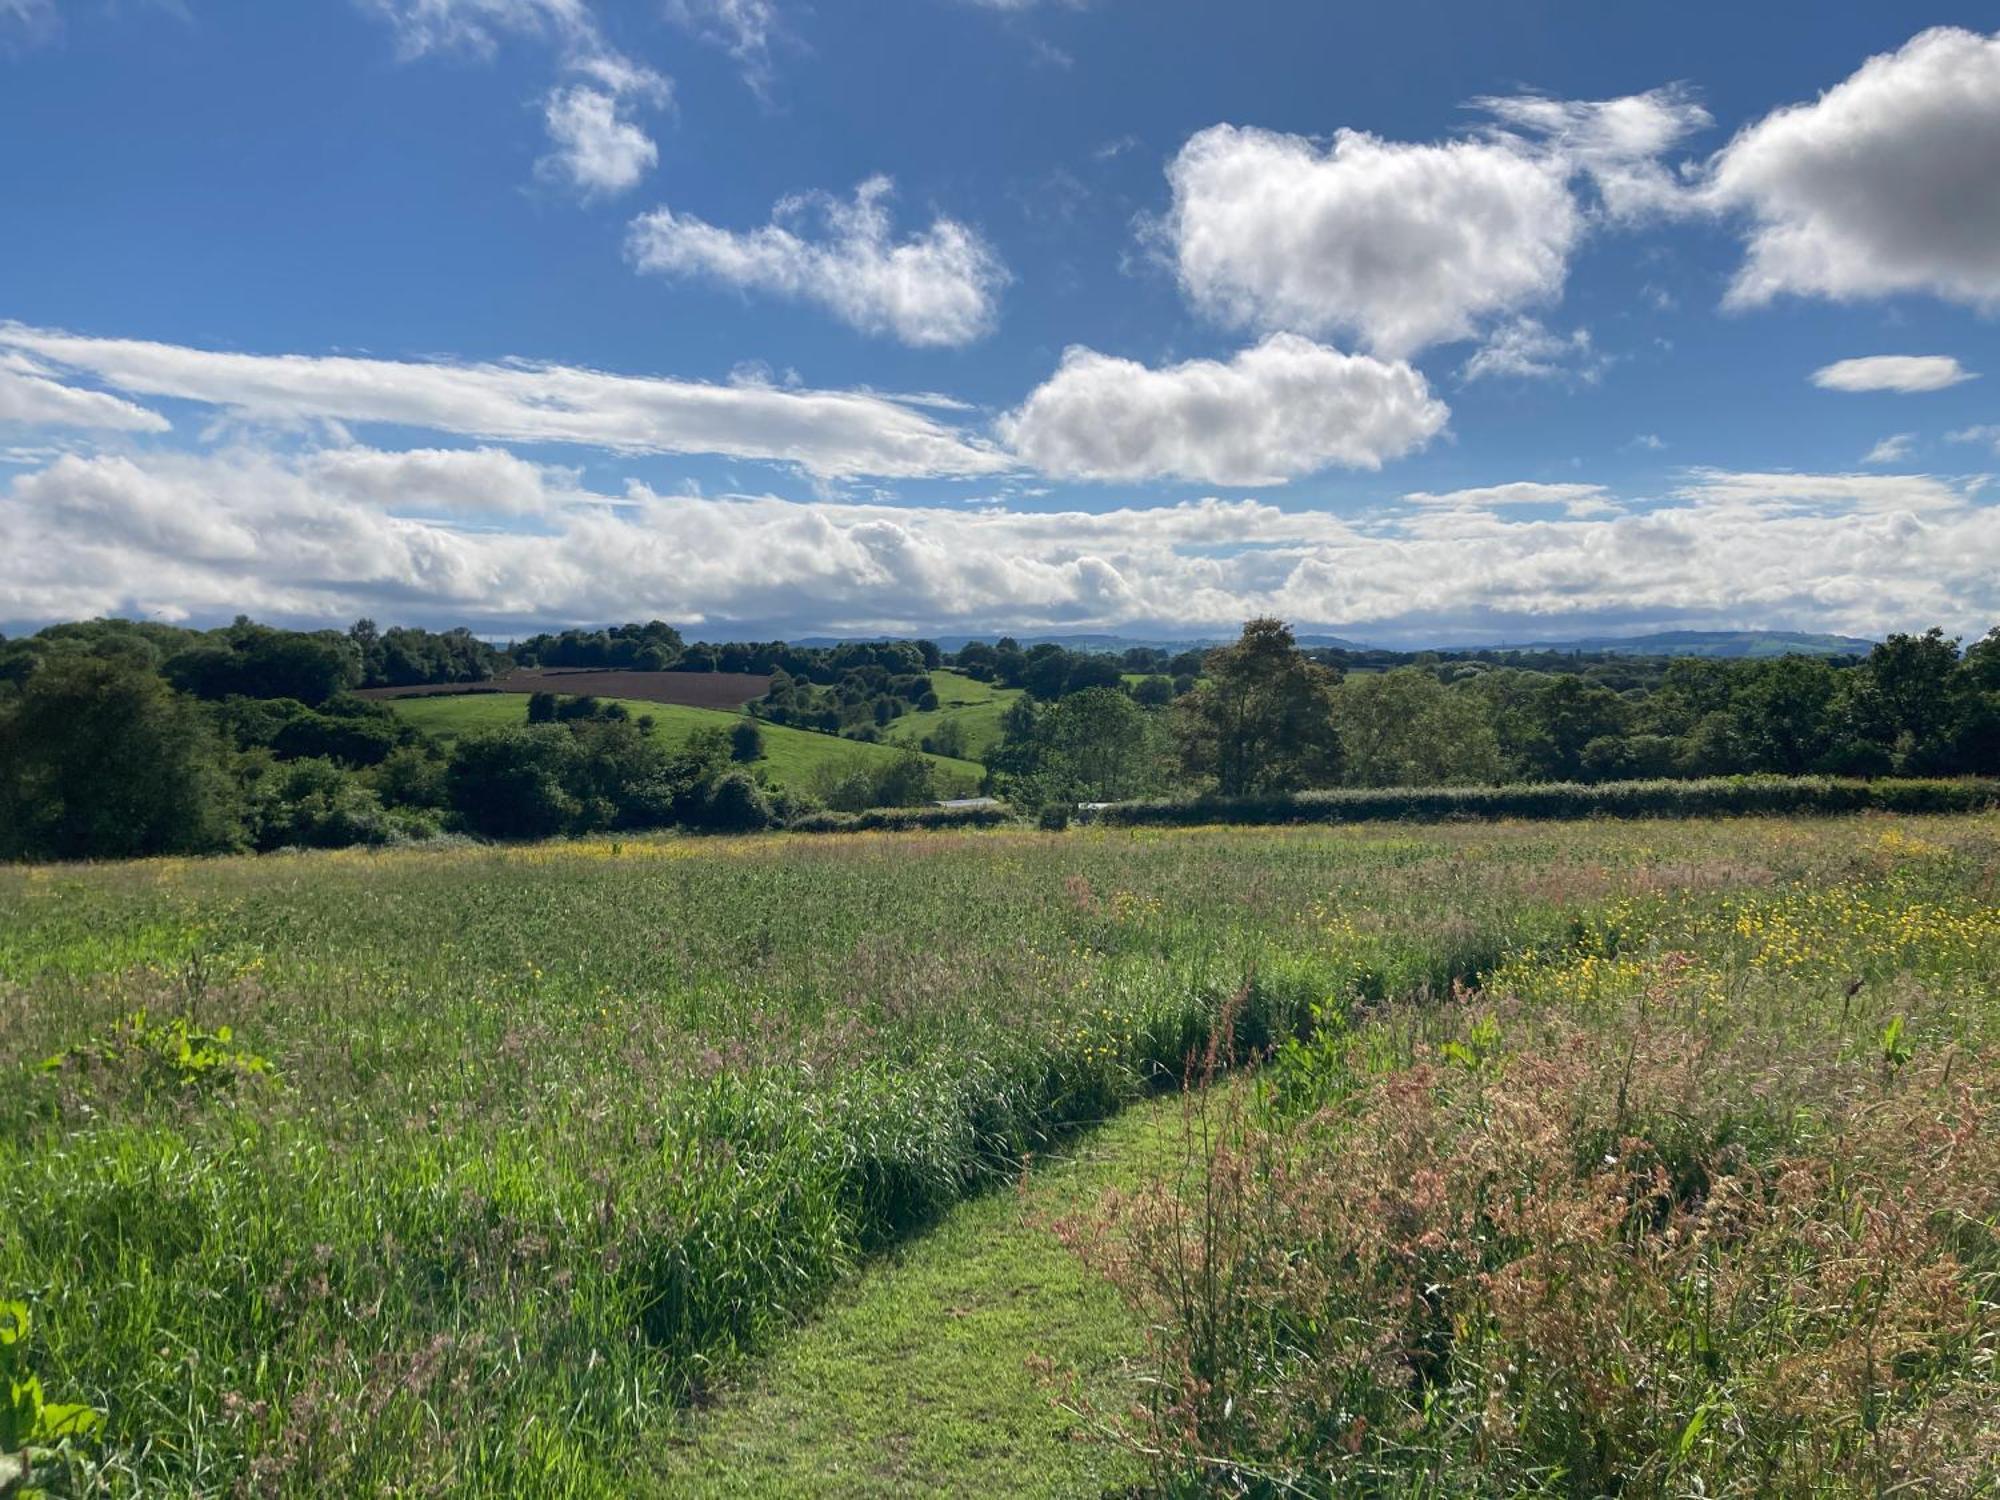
x: 1706, y: 1201
x: 551, y: 1135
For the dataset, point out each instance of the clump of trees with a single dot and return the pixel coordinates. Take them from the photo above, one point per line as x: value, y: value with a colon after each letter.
x: 908, y: 780
x: 1098, y: 745
x: 101, y: 759
x: 875, y: 685
x: 106, y: 753
x: 652, y: 647
x: 1048, y: 671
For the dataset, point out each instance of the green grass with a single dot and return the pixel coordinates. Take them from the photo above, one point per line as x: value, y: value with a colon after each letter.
x: 975, y: 706
x: 558, y: 1139
x: 920, y: 1379
x: 791, y: 756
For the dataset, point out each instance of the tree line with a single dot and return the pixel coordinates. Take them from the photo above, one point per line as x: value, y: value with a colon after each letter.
x: 1266, y: 717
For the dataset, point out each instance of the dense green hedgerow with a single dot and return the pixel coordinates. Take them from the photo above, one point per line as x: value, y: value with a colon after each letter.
x: 1715, y: 797
x: 902, y: 819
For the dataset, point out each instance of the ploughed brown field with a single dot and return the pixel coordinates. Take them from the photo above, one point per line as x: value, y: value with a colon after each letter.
x: 691, y: 689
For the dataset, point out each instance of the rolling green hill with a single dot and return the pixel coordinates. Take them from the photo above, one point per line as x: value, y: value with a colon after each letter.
x: 975, y: 706
x: 790, y: 755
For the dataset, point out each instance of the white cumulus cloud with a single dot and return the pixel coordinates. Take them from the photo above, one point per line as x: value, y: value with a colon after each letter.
x: 597, y: 149
x: 1903, y: 373
x: 1889, y: 182
x: 939, y: 287
x: 596, y: 146
x: 459, y: 481
x: 1284, y: 408
x: 1403, y: 245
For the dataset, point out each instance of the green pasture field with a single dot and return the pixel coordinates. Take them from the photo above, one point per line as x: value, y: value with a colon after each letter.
x: 790, y: 755
x: 513, y: 1157
x: 977, y: 708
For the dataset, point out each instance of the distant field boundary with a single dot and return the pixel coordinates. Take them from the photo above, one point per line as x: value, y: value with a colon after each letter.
x: 1557, y: 801
x: 725, y: 690
x: 902, y: 820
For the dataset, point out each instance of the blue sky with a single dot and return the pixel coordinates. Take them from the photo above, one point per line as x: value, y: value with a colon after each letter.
x: 1425, y: 322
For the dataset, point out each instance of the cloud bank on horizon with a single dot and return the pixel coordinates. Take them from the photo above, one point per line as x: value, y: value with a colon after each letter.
x: 1332, y: 367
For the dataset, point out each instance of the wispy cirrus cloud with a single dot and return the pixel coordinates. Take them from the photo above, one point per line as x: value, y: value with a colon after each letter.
x: 833, y: 434
x: 31, y: 397
x: 745, y: 29
x: 1906, y: 374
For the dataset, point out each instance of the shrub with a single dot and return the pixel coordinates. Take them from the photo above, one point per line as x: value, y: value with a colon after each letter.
x: 35, y: 1433
x: 746, y: 742
x: 511, y: 783
x: 736, y: 805
x: 164, y: 1057
x: 316, y: 804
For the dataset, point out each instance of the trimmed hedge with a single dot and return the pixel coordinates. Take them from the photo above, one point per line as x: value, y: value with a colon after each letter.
x: 901, y: 819
x: 1714, y: 797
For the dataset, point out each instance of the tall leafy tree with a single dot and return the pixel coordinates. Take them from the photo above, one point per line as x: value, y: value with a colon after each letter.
x: 1910, y: 681
x: 1405, y: 728
x: 1261, y: 720
x: 100, y: 759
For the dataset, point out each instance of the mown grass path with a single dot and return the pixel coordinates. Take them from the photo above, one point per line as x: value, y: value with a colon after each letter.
x: 916, y: 1379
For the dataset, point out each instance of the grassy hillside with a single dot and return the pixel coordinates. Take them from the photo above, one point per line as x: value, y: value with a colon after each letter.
x: 975, y: 706
x: 790, y: 755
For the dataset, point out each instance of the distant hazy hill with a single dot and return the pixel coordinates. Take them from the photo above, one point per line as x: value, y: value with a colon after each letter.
x: 1126, y: 642
x: 1712, y: 643
x: 1662, y: 643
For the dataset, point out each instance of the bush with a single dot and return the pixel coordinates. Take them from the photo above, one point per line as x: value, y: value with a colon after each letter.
x: 736, y: 805
x: 511, y: 783
x: 1715, y: 797
x: 746, y: 742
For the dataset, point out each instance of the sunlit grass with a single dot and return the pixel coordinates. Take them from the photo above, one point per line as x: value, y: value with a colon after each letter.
x: 552, y: 1134
x: 791, y: 756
